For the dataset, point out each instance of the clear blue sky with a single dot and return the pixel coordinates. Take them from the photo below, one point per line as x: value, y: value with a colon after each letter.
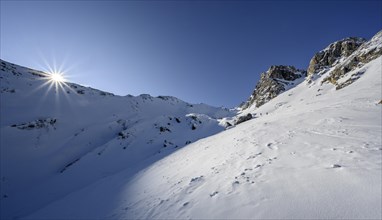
x: 203, y: 51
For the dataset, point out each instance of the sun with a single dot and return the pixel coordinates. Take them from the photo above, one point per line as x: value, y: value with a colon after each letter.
x: 57, y: 77
x: 55, y: 80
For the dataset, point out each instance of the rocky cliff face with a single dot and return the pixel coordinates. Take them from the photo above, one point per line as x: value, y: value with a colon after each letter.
x: 331, y: 55
x: 336, y: 61
x: 365, y: 53
x: 274, y: 81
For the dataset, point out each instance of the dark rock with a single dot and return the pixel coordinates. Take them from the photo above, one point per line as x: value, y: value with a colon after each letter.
x: 105, y: 93
x: 243, y: 118
x: 164, y: 129
x: 194, y: 117
x: 36, y: 124
x: 146, y: 97
x: 283, y: 72
x: 169, y: 98
x: 367, y: 52
x: 336, y: 166
x: 349, y: 81
x: 195, y: 179
x: 214, y: 194
x: 123, y: 134
x: 272, y: 83
x: 330, y: 56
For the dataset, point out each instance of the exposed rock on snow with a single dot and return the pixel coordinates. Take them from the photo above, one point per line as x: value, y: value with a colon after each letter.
x: 36, y: 124
x: 243, y: 118
x: 330, y: 56
x: 92, y: 134
x: 365, y: 53
x: 273, y: 82
x: 311, y: 153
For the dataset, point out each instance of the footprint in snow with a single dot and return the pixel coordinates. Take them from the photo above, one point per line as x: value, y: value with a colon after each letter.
x: 234, y: 185
x: 196, y: 179
x: 272, y: 146
x: 336, y: 166
x: 214, y: 194
x: 194, y: 184
x: 254, y: 156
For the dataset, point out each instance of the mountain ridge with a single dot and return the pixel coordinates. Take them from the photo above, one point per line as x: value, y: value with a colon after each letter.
x: 68, y: 127
x: 345, y: 54
x: 124, y: 156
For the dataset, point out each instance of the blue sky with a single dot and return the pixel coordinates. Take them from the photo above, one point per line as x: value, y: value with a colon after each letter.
x: 200, y: 51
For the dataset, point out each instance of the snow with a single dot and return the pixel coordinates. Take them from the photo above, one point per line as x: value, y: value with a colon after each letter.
x: 313, y: 152
x: 316, y: 155
x: 56, y: 141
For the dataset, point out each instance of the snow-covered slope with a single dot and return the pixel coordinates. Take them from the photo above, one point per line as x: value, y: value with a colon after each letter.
x: 312, y: 152
x: 316, y: 154
x: 56, y: 140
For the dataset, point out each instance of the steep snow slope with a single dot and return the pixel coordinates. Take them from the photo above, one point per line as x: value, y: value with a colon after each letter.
x: 312, y: 152
x: 56, y: 140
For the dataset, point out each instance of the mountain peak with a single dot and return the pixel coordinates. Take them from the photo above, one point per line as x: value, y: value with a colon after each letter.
x: 337, y: 59
x: 283, y: 72
x: 331, y: 55
x: 365, y: 53
x: 274, y: 81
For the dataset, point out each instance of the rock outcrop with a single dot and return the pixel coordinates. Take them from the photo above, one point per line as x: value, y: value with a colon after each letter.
x: 244, y: 118
x: 273, y: 82
x: 337, y: 60
x: 367, y: 52
x: 331, y: 55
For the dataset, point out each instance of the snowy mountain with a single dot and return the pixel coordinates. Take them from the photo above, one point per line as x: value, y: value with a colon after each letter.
x: 310, y: 148
x: 58, y: 139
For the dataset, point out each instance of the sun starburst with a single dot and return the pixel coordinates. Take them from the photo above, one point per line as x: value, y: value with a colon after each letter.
x: 57, y: 77
x: 55, y: 81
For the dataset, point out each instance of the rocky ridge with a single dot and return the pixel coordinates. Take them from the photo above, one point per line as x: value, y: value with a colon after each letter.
x: 274, y: 81
x: 365, y: 53
x: 331, y: 55
x: 336, y: 61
